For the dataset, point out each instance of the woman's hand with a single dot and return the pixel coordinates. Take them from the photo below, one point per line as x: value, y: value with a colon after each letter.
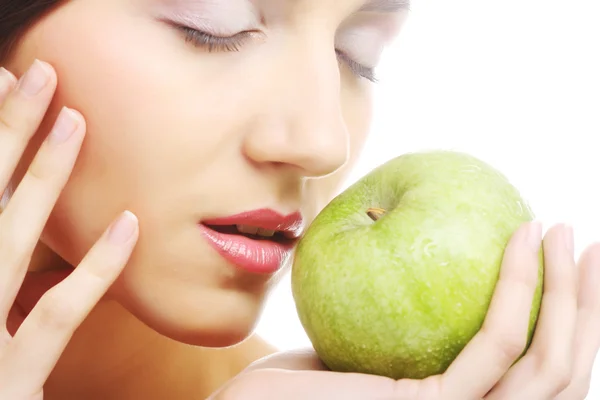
x: 28, y: 357
x: 557, y: 366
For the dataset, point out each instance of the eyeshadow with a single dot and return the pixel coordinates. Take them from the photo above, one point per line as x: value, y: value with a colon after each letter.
x: 220, y: 16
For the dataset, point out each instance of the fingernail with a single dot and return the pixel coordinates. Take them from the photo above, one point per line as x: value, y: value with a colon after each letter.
x: 66, y: 123
x: 6, y: 74
x: 568, y: 238
x: 35, y: 79
x: 123, y: 228
x: 534, y: 235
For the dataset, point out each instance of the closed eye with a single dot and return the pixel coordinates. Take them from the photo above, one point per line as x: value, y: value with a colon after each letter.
x: 213, y: 43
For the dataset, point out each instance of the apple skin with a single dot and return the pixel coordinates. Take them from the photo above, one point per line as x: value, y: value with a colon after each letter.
x: 402, y: 296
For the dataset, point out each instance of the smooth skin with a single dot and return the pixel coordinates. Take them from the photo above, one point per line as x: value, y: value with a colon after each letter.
x: 84, y: 338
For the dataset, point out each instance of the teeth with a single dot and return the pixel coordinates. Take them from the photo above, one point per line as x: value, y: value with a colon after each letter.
x: 253, y: 230
x: 265, y: 232
x: 247, y: 229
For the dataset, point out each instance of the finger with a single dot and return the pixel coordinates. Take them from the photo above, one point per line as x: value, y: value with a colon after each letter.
x: 7, y: 83
x: 42, y: 337
x: 23, y: 220
x: 589, y: 309
x: 308, y: 360
x: 277, y: 384
x: 587, y: 339
x: 35, y: 285
x: 503, y: 336
x: 296, y: 360
x: 21, y: 114
x: 546, y: 369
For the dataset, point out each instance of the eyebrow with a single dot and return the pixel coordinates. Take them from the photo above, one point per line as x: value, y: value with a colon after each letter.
x: 385, y: 5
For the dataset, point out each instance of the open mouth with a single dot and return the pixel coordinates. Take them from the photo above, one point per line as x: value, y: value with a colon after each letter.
x: 254, y: 233
x: 258, y: 241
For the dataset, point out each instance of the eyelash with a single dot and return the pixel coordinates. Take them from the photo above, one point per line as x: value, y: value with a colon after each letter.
x: 234, y: 43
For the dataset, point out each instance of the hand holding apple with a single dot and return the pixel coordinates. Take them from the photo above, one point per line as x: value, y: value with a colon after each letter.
x: 428, y: 271
x: 557, y: 366
x: 396, y: 274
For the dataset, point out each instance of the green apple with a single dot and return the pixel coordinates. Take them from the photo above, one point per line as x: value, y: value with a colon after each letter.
x: 395, y: 275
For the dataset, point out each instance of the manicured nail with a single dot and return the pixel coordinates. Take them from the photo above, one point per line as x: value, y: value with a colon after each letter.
x: 6, y: 74
x: 123, y: 228
x: 568, y: 238
x: 534, y: 235
x: 35, y: 79
x: 66, y: 123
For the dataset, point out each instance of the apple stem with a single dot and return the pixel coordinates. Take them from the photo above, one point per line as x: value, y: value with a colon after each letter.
x: 375, y: 213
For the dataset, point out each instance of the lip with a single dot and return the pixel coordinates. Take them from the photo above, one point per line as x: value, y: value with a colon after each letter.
x: 256, y: 256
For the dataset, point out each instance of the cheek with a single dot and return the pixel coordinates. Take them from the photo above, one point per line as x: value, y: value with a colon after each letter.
x: 103, y: 180
x: 121, y: 164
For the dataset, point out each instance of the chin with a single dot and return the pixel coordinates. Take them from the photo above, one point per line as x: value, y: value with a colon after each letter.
x: 198, y: 316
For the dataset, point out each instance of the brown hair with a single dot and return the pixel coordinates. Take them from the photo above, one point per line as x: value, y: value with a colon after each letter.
x: 16, y: 16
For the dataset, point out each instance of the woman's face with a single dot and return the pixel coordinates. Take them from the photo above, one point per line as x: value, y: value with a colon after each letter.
x: 185, y: 128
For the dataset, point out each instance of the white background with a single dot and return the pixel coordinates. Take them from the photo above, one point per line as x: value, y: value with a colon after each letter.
x: 514, y: 82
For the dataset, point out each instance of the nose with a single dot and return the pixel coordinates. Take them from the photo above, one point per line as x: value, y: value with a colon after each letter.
x: 300, y: 124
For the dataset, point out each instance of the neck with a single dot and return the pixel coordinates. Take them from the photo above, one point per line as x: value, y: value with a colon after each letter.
x: 114, y: 356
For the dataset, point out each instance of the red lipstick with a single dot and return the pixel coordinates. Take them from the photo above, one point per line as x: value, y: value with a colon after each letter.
x: 257, y: 241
